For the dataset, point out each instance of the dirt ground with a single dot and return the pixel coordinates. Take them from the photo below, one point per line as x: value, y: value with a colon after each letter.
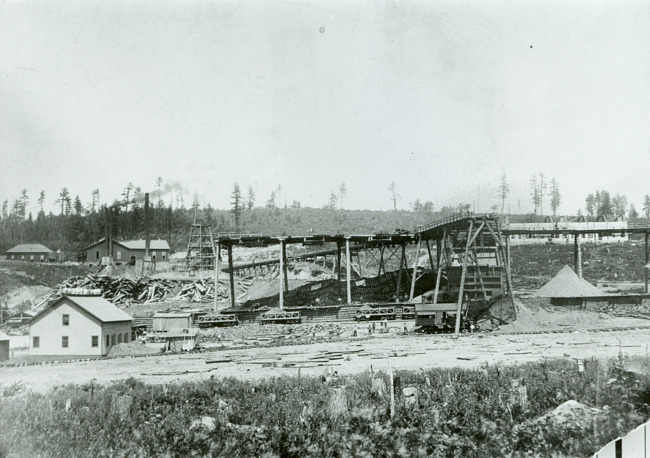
x: 315, y: 349
x: 348, y: 356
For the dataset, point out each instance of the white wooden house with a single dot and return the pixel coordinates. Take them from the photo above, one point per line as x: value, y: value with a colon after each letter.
x: 79, y: 325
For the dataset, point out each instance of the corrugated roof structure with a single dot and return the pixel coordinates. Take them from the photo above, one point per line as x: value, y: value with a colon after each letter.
x: 567, y: 284
x: 30, y: 248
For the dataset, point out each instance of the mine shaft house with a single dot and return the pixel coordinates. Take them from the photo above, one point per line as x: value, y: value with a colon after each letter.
x: 79, y: 325
x: 29, y: 252
x: 127, y: 251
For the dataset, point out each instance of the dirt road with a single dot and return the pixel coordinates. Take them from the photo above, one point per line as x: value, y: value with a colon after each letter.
x: 411, y: 352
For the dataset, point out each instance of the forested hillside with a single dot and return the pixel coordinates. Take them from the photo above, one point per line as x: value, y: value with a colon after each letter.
x: 73, y: 232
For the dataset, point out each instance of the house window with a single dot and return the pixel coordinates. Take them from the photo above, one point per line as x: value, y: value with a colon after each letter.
x: 64, y: 341
x: 94, y: 342
x: 164, y: 255
x: 22, y: 257
x: 153, y: 255
x: 42, y: 257
x: 119, y: 338
x: 119, y: 254
x: 113, y: 339
x: 36, y: 342
x: 126, y: 337
x: 108, y: 341
x: 31, y: 258
x: 66, y: 319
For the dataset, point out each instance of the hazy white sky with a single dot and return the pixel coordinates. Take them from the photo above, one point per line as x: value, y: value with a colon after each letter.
x: 441, y: 97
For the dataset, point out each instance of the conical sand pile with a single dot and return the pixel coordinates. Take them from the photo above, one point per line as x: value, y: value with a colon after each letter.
x: 567, y: 284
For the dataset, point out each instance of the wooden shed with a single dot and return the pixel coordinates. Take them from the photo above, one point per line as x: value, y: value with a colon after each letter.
x: 127, y: 251
x: 4, y: 346
x: 29, y: 252
x: 163, y: 322
x: 20, y: 319
x: 184, y: 339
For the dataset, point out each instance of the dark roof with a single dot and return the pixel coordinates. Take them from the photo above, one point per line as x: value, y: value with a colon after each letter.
x: 30, y: 248
x: 97, y: 306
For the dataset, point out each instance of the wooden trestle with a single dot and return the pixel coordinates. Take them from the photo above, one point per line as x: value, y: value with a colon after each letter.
x: 472, y: 254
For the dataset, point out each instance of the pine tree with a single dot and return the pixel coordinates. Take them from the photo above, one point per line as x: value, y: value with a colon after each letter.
x: 590, y: 204
x: 543, y: 186
x: 343, y: 192
x: 78, y: 206
x: 646, y: 206
x: 555, y: 196
x: 534, y: 192
x: 333, y: 201
x: 41, y: 199
x: 605, y: 204
x: 416, y: 206
x: 504, y: 190
x: 125, y: 194
x: 24, y: 200
x: 271, y: 202
x: 250, y: 198
x: 159, y: 182
x: 64, y: 200
x: 619, y: 205
x: 236, y: 202
x: 633, y: 213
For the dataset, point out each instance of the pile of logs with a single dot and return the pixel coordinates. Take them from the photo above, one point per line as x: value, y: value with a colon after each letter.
x: 126, y: 291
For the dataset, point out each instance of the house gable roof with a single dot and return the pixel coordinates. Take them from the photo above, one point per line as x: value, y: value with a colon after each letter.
x: 30, y: 248
x: 140, y: 244
x: 96, y: 306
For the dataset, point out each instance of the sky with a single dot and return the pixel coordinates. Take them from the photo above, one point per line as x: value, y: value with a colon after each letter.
x: 440, y: 97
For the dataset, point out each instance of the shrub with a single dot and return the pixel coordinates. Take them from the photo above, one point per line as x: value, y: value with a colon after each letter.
x: 458, y: 413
